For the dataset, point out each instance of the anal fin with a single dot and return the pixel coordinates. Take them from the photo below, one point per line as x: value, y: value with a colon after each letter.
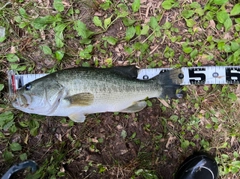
x: 77, y: 117
x: 137, y: 106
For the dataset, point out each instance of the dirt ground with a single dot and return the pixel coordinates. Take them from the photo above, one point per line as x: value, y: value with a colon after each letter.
x: 81, y: 151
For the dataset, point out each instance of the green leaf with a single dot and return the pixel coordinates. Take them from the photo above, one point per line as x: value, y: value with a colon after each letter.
x: 21, y: 68
x: 23, y: 24
x: 214, y: 119
x: 108, y: 61
x: 220, y: 2
x: 138, y: 29
x: 123, y: 6
x: 145, y: 30
x: 149, y: 103
x: 228, y: 24
x: 222, y: 16
x: 15, y: 146
x: 82, y: 30
x: 199, y: 11
x: 17, y: 19
x: 130, y: 32
x: 23, y: 13
x: 13, y: 129
x: 184, y: 144
x: 168, y: 52
x: 187, y: 49
x: 123, y: 14
x: 59, y: 55
x: 136, y: 5
x: 2, y: 39
x: 86, y: 64
x: 232, y: 96
x: 58, y: 5
x: 237, y: 27
x: 167, y: 25
x: 194, y: 53
x: 227, y: 48
x: 237, y: 20
x: 85, y: 41
x: 235, y: 154
x: 41, y: 22
x: 190, y: 22
x: 97, y: 21
x: 236, y: 164
x: 13, y: 66
x: 34, y: 131
x: 23, y: 157
x: 107, y: 22
x: 85, y: 54
x: 235, y: 46
x: 225, y: 156
x: 153, y: 23
x: 174, y: 118
x: 128, y: 21
x: 187, y: 13
x: 7, y: 155
x: 6, y: 123
x: 111, y: 40
x: 46, y: 50
x: 195, y: 5
x: 123, y: 134
x: 167, y: 4
x: 23, y: 123
x: 235, y: 10
x: 106, y: 4
x: 59, y: 39
x: 12, y: 58
x: 1, y: 87
x: 221, y: 45
x: 89, y: 48
x: 208, y: 126
x: 60, y: 27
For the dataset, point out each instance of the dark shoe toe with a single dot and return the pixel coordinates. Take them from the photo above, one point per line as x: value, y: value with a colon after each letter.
x: 198, y: 166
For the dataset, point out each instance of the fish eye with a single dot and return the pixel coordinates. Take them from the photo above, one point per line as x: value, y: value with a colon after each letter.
x: 28, y: 86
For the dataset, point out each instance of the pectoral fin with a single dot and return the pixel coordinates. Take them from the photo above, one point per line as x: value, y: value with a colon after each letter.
x: 81, y: 99
x: 77, y: 117
x: 138, y: 106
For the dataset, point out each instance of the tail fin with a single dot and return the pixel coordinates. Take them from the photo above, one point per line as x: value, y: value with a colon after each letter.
x: 170, y: 77
x: 170, y: 82
x: 172, y: 92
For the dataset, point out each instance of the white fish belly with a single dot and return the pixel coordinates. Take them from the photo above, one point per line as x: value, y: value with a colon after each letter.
x: 115, y: 102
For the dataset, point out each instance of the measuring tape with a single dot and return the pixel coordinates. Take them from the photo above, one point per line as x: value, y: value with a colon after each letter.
x: 200, y: 75
x: 191, y: 75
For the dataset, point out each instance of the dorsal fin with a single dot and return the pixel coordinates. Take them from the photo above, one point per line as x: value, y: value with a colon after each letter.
x: 130, y: 71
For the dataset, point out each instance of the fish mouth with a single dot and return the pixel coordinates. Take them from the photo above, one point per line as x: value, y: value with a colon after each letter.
x: 21, y: 101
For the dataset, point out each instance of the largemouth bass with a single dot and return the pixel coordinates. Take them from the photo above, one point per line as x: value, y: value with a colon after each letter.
x: 77, y: 92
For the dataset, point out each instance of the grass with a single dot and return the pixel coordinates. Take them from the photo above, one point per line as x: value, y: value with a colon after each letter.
x: 42, y: 37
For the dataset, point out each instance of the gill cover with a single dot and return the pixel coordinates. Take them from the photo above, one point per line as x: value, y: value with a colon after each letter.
x: 41, y: 96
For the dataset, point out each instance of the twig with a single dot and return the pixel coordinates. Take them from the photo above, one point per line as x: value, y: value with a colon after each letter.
x: 5, y: 5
